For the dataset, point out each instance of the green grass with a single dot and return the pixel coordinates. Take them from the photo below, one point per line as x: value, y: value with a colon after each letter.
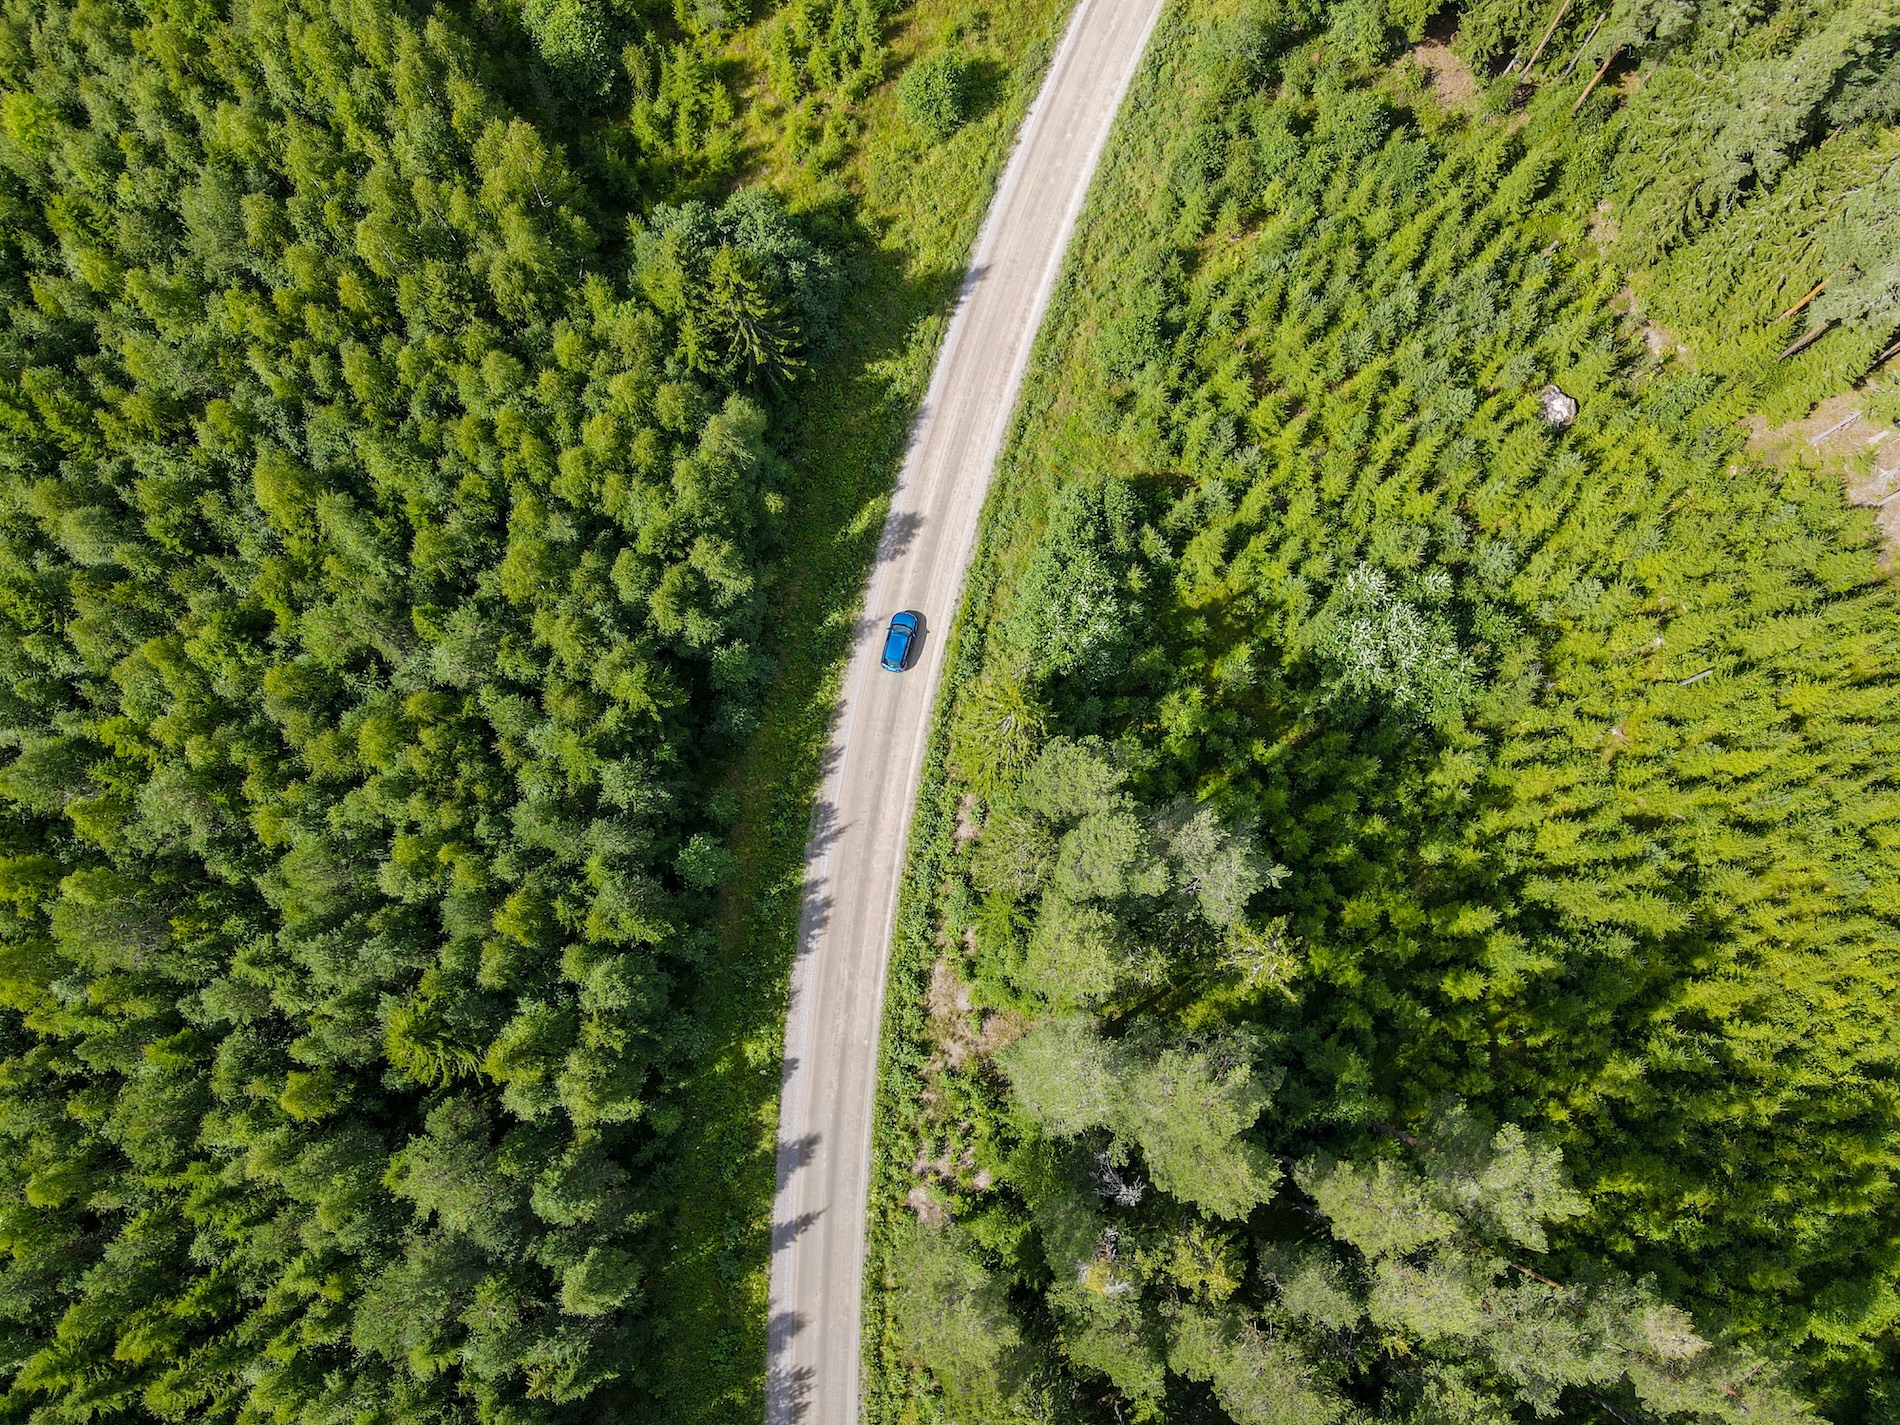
x: 904, y: 216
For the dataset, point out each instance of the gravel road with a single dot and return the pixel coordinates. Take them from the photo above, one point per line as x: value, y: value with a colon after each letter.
x: 855, y: 859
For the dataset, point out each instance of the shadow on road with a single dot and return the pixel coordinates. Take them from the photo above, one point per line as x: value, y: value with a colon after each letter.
x: 788, y: 1392
x: 900, y: 532
x: 786, y: 1233
x: 795, y: 1153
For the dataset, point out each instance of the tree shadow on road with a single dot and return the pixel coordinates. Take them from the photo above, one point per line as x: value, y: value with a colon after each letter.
x: 846, y: 429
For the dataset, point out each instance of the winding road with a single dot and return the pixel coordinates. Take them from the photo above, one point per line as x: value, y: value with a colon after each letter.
x: 855, y: 858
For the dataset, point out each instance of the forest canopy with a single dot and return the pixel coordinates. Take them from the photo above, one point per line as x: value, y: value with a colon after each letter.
x: 1404, y: 928
x: 387, y: 500
x: 1425, y: 876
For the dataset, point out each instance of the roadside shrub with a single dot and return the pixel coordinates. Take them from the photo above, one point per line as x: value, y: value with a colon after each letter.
x: 934, y: 95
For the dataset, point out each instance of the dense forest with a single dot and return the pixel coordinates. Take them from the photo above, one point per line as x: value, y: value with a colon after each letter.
x: 388, y: 495
x: 1403, y: 922
x: 1403, y: 925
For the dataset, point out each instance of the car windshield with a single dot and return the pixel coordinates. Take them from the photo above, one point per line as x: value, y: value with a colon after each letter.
x: 897, y: 641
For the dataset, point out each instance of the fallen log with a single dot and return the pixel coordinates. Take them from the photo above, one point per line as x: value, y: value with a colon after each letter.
x: 1803, y: 343
x: 1602, y: 69
x: 1813, y: 292
x: 1584, y: 46
x: 1549, y: 30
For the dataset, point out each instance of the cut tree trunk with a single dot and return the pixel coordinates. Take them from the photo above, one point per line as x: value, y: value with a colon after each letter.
x: 1813, y: 292
x: 1591, y: 88
x: 1549, y: 30
x: 1584, y: 46
x: 1803, y: 343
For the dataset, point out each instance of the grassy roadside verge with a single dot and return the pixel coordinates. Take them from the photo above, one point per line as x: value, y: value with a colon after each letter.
x: 903, y: 217
x: 1013, y: 506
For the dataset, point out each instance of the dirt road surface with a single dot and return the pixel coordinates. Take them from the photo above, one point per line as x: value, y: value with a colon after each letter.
x: 855, y: 858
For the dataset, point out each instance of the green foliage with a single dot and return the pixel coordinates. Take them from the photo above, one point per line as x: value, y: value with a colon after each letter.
x: 934, y: 94
x: 1066, y: 1077
x: 956, y: 1314
x: 1860, y: 249
x: 1700, y: 138
x: 823, y: 57
x: 1416, y: 1303
x: 1073, y: 618
x: 1440, y: 756
x: 1258, y: 1379
x: 1421, y: 1264
x: 1004, y: 728
x: 1729, y: 289
x: 1745, y: 168
x: 749, y: 295
x: 1380, y: 648
x: 1490, y: 32
x: 682, y: 117
x: 382, y: 566
x: 574, y: 41
x: 1188, y: 1110
x: 1192, y: 1112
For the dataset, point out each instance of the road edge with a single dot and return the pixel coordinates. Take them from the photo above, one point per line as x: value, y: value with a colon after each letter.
x: 782, y: 1406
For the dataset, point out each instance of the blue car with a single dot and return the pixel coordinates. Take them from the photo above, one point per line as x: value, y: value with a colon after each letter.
x: 897, y: 641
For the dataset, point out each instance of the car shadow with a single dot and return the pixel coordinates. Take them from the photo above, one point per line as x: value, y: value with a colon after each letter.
x: 917, y: 640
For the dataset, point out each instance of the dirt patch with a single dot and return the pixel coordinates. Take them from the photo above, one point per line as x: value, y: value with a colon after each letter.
x: 955, y: 1168
x: 1837, y: 436
x: 1658, y: 338
x: 967, y: 827
x: 948, y: 1003
x: 1604, y: 229
x: 944, y: 1165
x: 925, y: 1204
x: 1452, y: 84
x: 948, y: 997
x: 1000, y: 1028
